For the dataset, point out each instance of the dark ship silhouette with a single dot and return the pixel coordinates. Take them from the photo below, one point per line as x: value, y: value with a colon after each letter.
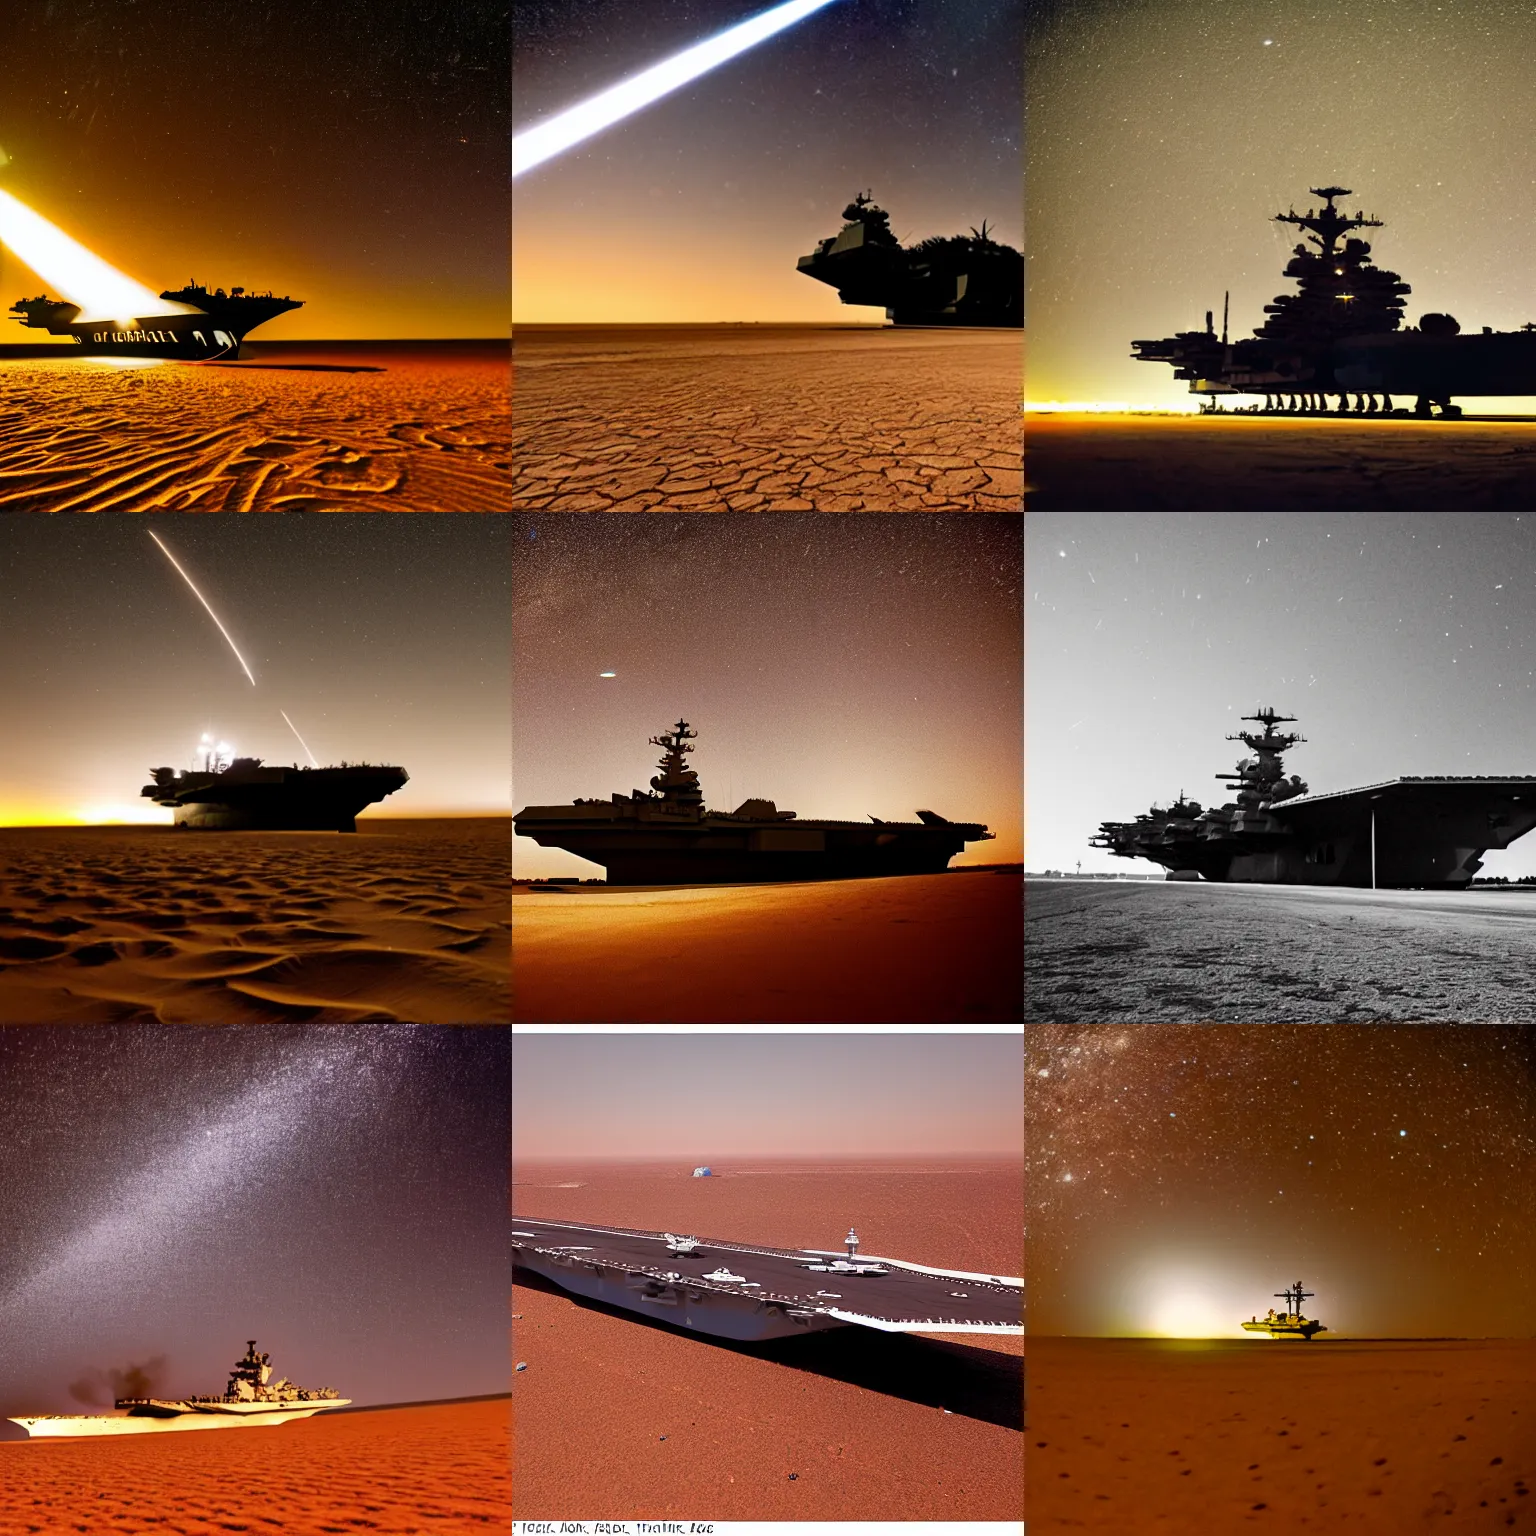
x: 1289, y: 1324
x: 1341, y: 333
x: 215, y: 331
x: 239, y: 793
x: 947, y: 280
x: 670, y: 839
x: 1418, y: 832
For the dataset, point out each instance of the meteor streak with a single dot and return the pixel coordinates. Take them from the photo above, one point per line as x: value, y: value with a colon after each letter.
x: 292, y: 727
x: 203, y: 600
x: 101, y: 291
x: 534, y: 146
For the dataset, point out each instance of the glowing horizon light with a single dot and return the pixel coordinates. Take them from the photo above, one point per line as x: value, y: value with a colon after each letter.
x: 1189, y: 1314
x: 533, y: 146
x: 82, y: 277
x: 1124, y: 407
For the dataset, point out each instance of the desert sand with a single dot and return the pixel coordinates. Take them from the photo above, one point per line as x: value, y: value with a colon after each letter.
x: 1246, y: 463
x: 405, y: 921
x: 766, y: 418
x: 291, y: 427
x: 440, y: 1467
x: 909, y: 949
x: 1174, y: 1437
x: 855, y: 1415
x: 1104, y: 951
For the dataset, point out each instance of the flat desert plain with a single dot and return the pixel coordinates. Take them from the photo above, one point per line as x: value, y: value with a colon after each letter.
x: 1108, y: 462
x: 292, y: 427
x: 1109, y: 951
x: 906, y: 949
x: 402, y: 921
x: 1172, y: 1437
x: 621, y: 1418
x: 441, y: 1467
x: 766, y: 418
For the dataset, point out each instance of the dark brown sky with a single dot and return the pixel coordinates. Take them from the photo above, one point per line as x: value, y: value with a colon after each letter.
x: 385, y: 639
x: 842, y: 667
x: 1180, y: 1175
x: 351, y: 153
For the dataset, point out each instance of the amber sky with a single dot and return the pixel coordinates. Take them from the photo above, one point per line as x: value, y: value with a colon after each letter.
x: 384, y: 638
x: 839, y: 666
x: 352, y: 153
x: 1180, y: 1175
x: 1165, y: 134
x: 701, y: 1097
x: 697, y: 208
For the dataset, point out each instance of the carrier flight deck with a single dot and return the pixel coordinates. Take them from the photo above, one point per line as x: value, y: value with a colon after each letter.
x: 746, y: 1292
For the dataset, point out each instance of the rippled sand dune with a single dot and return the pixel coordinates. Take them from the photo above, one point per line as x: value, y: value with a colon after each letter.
x: 404, y: 922
x: 293, y: 427
x: 441, y: 1467
x: 627, y: 1419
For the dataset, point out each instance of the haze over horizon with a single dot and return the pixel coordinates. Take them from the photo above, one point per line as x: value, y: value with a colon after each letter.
x: 385, y: 639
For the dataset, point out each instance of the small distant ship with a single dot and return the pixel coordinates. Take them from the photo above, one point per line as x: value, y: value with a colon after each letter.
x: 1289, y: 1324
x: 214, y: 332
x: 240, y: 794
x: 748, y: 1293
x: 251, y: 1398
x: 1411, y: 832
x: 946, y: 280
x: 669, y: 838
x: 1341, y: 334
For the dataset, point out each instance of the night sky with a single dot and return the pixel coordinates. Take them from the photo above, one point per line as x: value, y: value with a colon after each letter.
x: 351, y: 153
x: 1404, y: 642
x: 385, y: 639
x: 766, y: 1095
x: 338, y: 1194
x: 697, y: 208
x: 839, y: 666
x: 1180, y: 1175
x: 1165, y: 136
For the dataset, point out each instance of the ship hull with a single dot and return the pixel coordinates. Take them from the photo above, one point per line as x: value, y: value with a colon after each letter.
x: 275, y: 799
x: 180, y: 338
x: 90, y: 1426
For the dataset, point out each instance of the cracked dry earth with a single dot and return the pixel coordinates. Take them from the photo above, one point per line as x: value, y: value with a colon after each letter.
x: 766, y: 419
x: 1113, y: 952
x: 427, y: 432
x: 146, y: 925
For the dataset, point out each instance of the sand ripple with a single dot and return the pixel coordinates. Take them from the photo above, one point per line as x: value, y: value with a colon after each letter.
x: 209, y: 928
x: 428, y: 433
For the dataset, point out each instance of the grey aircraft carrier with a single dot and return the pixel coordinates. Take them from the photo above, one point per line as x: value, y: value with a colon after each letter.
x: 747, y: 1292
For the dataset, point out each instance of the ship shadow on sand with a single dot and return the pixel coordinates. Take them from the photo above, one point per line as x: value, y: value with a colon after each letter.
x: 974, y: 1383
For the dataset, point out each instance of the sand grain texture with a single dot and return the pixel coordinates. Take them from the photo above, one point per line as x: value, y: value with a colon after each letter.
x: 1165, y: 1438
x: 402, y: 922
x: 908, y: 949
x: 766, y: 418
x: 858, y: 1416
x: 429, y: 433
x: 1148, y: 952
x: 439, y: 1468
x: 1116, y: 463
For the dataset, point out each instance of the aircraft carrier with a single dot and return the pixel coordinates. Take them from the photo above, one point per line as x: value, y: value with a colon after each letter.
x: 204, y: 327
x: 745, y: 1292
x: 949, y: 280
x: 1414, y: 832
x: 252, y: 1398
x: 668, y: 838
x: 1341, y: 334
x: 239, y: 794
x: 1289, y: 1324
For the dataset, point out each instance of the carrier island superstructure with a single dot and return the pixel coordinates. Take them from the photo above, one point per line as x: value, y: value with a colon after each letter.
x: 749, y: 1292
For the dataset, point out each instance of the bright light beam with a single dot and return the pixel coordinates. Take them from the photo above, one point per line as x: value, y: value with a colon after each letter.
x: 292, y: 727
x: 533, y: 146
x: 203, y: 600
x: 101, y: 291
